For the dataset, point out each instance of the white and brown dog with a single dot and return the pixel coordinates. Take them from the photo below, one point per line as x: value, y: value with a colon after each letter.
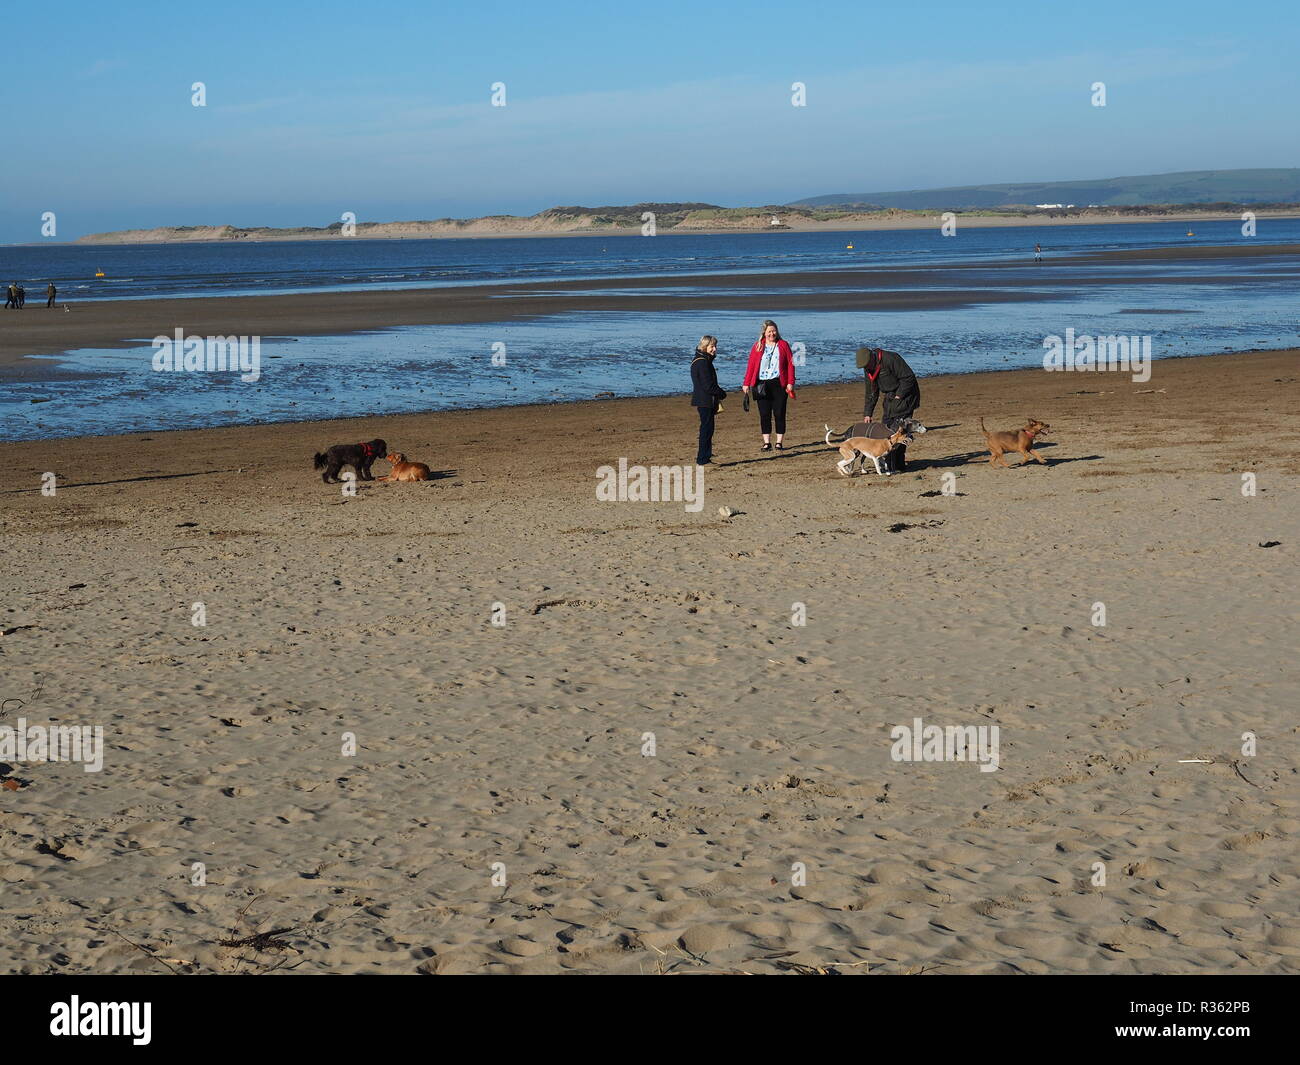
x: 874, y: 448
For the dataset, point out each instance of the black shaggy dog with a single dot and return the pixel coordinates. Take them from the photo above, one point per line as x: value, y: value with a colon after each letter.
x: 358, y: 456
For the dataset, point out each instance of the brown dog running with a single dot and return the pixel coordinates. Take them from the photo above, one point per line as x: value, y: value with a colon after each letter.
x: 875, y: 449
x: 1020, y: 440
x: 405, y: 471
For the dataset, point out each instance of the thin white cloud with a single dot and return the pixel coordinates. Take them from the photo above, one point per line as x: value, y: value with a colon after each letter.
x: 276, y: 103
x: 102, y: 66
x: 903, y: 125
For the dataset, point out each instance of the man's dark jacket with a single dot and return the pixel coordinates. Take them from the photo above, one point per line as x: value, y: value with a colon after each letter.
x: 893, y: 379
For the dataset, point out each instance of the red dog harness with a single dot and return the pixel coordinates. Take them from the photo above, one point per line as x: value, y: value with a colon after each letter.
x: 368, y: 451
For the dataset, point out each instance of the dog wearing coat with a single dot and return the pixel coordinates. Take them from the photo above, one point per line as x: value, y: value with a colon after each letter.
x: 895, y: 460
x: 874, y: 448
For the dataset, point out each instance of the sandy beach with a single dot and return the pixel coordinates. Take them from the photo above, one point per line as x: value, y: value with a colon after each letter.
x: 502, y: 812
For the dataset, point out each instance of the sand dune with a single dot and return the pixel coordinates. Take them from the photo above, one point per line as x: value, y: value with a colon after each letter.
x: 627, y: 221
x: 522, y: 744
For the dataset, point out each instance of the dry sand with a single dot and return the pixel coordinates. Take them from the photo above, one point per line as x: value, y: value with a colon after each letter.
x: 523, y: 745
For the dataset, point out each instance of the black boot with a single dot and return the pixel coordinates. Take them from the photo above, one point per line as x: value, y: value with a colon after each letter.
x: 898, y: 458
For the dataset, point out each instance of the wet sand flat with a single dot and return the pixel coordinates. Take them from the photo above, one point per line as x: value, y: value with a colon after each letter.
x: 116, y: 323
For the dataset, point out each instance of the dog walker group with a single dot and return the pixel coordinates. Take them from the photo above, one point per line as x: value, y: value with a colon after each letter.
x: 888, y: 381
x: 769, y: 383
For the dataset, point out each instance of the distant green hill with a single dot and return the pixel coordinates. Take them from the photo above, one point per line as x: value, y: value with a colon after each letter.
x: 1191, y: 186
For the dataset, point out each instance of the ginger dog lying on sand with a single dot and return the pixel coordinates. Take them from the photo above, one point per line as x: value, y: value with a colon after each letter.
x: 1021, y: 440
x: 874, y: 448
x: 405, y: 471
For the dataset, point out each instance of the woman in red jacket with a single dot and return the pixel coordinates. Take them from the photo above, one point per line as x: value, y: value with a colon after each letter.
x: 769, y: 378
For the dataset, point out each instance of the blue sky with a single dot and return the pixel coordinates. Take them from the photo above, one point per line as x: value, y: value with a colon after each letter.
x: 384, y: 108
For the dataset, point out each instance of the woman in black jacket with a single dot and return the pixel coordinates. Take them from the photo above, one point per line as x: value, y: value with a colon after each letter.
x: 706, y: 395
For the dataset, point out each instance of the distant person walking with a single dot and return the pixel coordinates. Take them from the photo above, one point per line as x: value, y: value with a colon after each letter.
x: 1038, y: 253
x: 769, y: 378
x: 50, y: 293
x: 22, y: 297
x: 706, y: 395
x: 11, y: 297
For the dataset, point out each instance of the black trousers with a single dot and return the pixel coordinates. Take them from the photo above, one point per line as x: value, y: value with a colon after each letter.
x: 771, y: 407
x: 902, y: 406
x: 704, y: 453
